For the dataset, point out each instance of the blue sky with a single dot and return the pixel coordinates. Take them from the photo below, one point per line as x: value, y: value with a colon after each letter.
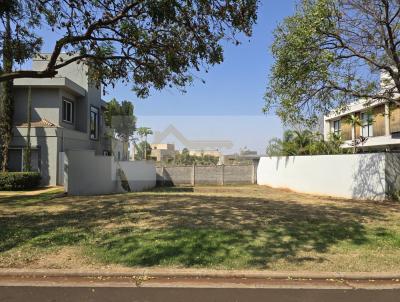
x: 229, y: 105
x: 235, y: 87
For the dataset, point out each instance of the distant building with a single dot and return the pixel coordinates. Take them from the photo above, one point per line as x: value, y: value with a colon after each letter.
x: 245, y: 156
x: 163, y: 152
x: 214, y: 153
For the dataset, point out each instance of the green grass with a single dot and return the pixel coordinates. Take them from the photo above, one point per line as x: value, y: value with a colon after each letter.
x: 210, y: 227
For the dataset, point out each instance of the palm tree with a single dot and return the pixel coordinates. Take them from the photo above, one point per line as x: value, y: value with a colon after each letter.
x: 354, y: 121
x: 334, y: 144
x: 144, y: 132
x: 303, y: 141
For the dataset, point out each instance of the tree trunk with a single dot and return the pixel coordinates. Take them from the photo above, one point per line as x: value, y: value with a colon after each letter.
x: 354, y: 139
x: 145, y: 147
x: 27, y: 159
x: 7, y: 101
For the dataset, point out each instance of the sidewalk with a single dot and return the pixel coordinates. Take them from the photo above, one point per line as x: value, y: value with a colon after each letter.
x: 195, y: 285
x: 147, y: 274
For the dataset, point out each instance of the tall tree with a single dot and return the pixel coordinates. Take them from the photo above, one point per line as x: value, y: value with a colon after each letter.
x: 142, y: 149
x: 28, y: 149
x: 333, y: 52
x: 18, y: 43
x: 150, y: 43
x: 6, y: 100
x: 144, y: 132
x: 121, y: 118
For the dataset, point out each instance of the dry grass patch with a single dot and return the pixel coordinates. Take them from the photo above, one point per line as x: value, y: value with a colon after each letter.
x: 216, y: 227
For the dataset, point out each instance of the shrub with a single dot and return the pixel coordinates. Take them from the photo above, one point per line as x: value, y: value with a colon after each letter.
x: 11, y: 181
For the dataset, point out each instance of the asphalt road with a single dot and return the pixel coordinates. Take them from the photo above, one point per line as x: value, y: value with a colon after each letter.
x: 165, y: 294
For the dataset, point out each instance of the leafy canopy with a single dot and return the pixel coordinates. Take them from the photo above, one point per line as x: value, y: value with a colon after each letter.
x: 149, y: 43
x: 120, y: 118
x: 304, y: 142
x: 332, y: 52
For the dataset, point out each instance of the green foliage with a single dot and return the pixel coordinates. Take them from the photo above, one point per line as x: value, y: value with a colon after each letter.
x: 151, y: 44
x: 120, y: 118
x: 18, y: 43
x: 328, y: 54
x: 11, y: 181
x: 185, y: 159
x: 144, y: 132
x: 304, y: 142
x: 142, y: 150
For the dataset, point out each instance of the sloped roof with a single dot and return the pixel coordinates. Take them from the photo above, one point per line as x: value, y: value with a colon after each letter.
x: 37, y: 124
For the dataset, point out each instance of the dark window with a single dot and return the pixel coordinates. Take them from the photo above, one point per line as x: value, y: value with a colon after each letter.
x: 68, y: 111
x: 94, y: 123
x: 16, y: 159
x: 336, y: 127
x: 366, y: 119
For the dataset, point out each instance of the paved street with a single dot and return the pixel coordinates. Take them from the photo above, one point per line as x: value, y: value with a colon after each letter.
x: 47, y: 288
x: 162, y: 294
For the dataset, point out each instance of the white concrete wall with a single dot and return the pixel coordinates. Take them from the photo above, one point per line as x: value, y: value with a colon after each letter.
x: 360, y: 176
x: 141, y: 175
x: 88, y: 174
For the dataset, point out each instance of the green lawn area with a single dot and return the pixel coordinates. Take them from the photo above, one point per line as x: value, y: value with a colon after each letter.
x: 228, y: 227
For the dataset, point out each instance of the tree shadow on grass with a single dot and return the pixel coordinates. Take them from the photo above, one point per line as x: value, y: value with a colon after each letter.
x: 188, y: 230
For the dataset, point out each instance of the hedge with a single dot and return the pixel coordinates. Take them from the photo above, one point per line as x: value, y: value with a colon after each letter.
x: 12, y: 181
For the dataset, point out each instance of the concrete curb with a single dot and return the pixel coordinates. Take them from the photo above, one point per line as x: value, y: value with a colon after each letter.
x: 198, y: 273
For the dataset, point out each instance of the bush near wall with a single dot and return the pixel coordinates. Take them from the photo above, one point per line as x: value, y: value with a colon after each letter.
x: 11, y: 181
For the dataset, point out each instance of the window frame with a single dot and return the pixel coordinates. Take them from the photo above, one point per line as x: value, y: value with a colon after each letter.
x: 95, y: 110
x: 366, y: 124
x: 337, y: 131
x: 64, y: 111
x: 22, y: 149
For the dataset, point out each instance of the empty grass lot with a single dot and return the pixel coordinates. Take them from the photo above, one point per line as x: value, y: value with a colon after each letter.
x: 228, y: 227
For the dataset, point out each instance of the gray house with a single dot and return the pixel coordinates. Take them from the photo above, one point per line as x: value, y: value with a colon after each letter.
x: 66, y: 115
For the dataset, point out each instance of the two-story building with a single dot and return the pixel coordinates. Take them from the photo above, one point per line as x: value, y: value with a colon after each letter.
x: 66, y: 115
x: 379, y: 128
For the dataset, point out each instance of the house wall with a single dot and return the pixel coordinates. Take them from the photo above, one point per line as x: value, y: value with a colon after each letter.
x: 395, y: 119
x: 78, y: 73
x: 88, y: 174
x: 45, y: 104
x: 362, y: 176
x: 45, y: 139
x: 345, y: 129
x: 72, y: 83
x: 379, y: 121
x: 141, y: 175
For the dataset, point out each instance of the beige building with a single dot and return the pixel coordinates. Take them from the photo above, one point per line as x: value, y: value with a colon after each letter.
x: 163, y: 152
x: 214, y: 153
x: 379, y: 129
x: 380, y: 123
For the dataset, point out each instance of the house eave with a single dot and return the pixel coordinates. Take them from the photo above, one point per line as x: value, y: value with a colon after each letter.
x: 56, y: 82
x: 352, y: 108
